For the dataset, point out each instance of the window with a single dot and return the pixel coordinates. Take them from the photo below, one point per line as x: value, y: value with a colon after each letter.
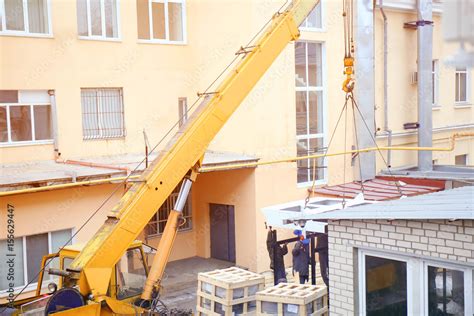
x: 309, y: 109
x: 461, y: 85
x: 183, y: 110
x: 25, y: 117
x: 157, y: 224
x: 98, y: 19
x: 28, y: 252
x: 25, y: 17
x: 401, y: 285
x: 102, y: 113
x: 131, y: 274
x: 314, y: 19
x: 162, y: 21
x: 435, y: 77
x: 461, y: 160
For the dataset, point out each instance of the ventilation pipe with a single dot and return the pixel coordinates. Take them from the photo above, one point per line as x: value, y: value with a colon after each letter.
x: 425, y: 83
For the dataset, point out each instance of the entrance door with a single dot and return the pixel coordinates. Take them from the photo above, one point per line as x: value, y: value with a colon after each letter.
x: 222, y: 232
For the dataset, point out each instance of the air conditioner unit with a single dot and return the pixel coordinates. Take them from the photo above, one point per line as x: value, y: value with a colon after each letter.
x: 414, y: 77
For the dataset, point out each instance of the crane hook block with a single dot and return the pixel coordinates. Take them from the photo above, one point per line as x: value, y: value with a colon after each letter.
x: 349, y: 82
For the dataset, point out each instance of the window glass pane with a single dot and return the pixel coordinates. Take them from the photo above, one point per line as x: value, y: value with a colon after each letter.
x: 6, y: 253
x: 460, y: 160
x: 3, y: 124
x: 463, y: 87
x: 314, y: 18
x: 96, y: 17
x: 8, y: 96
x: 158, y: 17
x: 14, y: 15
x: 20, y: 123
x: 36, y: 248
x: 175, y: 19
x: 42, y: 115
x: 90, y: 122
x: 47, y: 278
x: 301, y: 113
x: 300, y: 64
x: 316, y: 147
x: 386, y: 286
x: 302, y: 148
x: 314, y: 64
x: 131, y: 274
x: 315, y: 112
x: 143, y: 19
x: 445, y: 291
x: 111, y: 112
x: 111, y: 24
x: 82, y: 17
x: 38, y: 16
x: 60, y: 239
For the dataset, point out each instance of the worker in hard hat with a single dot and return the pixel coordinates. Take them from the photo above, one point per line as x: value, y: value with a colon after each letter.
x: 276, y: 253
x: 301, y: 257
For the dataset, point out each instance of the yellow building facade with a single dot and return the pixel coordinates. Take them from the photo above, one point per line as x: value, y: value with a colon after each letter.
x: 87, y: 78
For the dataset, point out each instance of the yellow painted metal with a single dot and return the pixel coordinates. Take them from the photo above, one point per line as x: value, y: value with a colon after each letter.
x: 67, y: 185
x: 363, y: 150
x: 163, y: 253
x: 129, y: 217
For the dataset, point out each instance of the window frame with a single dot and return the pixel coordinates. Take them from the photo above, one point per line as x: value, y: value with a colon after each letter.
x: 102, y: 37
x: 305, y: 28
x: 467, y: 102
x: 152, y: 40
x: 323, y: 135
x: 417, y: 272
x: 33, y: 141
x: 33, y: 286
x: 100, y: 114
x: 25, y: 32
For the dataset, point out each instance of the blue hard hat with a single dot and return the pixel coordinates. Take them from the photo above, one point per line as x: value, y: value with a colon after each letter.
x: 297, y: 232
x: 305, y: 241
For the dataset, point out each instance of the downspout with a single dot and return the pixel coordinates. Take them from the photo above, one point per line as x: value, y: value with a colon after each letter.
x: 54, y: 123
x: 386, y: 129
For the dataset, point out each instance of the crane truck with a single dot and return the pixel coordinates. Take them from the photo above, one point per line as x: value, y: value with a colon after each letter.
x: 109, y: 275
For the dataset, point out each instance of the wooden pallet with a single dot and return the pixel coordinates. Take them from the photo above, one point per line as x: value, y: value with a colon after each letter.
x: 269, y: 281
x: 293, y: 299
x: 228, y: 291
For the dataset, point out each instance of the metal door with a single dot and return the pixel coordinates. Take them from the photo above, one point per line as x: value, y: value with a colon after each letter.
x: 222, y: 232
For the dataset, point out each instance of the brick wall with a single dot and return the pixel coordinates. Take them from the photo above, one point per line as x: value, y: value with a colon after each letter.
x: 438, y: 239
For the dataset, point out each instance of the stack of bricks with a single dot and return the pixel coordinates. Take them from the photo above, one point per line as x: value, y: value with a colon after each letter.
x: 437, y: 239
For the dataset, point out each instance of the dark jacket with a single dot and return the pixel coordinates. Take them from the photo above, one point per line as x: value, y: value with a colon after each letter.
x: 301, y: 258
x: 322, y: 243
x: 280, y: 252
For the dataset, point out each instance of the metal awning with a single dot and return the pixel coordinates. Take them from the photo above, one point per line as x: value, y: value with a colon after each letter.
x: 455, y: 204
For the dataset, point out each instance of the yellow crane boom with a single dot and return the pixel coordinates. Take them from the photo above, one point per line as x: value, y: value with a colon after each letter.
x: 92, y: 268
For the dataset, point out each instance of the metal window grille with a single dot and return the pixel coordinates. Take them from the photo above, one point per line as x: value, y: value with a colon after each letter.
x: 157, y: 224
x: 102, y: 113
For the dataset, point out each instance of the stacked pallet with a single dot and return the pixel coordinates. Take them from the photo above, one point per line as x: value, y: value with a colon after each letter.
x: 293, y: 299
x: 269, y: 281
x: 228, y: 292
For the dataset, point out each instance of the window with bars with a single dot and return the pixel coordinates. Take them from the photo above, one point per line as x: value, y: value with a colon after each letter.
x: 157, y: 224
x: 309, y: 110
x: 102, y: 113
x: 29, y: 251
x: 461, y: 85
x: 162, y: 21
x: 98, y: 19
x: 25, y: 116
x: 28, y: 17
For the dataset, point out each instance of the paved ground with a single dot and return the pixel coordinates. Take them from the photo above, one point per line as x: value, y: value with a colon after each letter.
x: 180, y: 284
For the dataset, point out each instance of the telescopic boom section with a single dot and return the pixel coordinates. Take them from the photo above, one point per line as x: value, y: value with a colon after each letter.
x: 182, y: 154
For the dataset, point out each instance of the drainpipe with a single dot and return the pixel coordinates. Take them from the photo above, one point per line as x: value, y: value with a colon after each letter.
x: 386, y: 129
x: 425, y: 84
x: 54, y: 119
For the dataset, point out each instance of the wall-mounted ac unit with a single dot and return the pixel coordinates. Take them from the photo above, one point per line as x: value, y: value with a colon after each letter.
x: 414, y: 77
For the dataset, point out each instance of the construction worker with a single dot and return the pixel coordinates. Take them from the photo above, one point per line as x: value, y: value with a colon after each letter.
x: 301, y: 257
x: 322, y: 250
x: 276, y: 253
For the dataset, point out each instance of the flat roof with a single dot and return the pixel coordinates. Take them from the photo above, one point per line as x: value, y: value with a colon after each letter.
x: 48, y: 172
x: 454, y: 204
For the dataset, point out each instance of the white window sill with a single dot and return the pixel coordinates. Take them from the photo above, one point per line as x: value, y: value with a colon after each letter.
x: 27, y: 143
x: 105, y: 138
x: 157, y: 41
x: 307, y: 185
x: 100, y: 38
x: 24, y: 34
x: 313, y: 30
x: 29, y: 288
x: 436, y: 107
x: 462, y: 105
